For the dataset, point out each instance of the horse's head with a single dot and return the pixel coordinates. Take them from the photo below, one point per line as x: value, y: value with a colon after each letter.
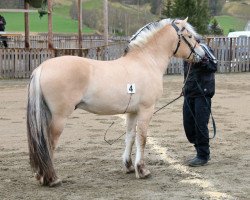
x: 187, y: 46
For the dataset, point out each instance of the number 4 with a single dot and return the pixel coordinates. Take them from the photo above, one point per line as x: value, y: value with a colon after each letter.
x: 131, y: 88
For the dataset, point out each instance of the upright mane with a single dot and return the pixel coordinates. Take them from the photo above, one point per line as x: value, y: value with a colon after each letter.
x: 146, y: 32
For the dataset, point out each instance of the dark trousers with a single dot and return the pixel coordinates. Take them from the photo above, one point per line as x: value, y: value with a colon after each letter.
x: 196, y: 113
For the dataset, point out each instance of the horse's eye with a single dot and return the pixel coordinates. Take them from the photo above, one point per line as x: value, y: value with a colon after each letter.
x: 190, y: 36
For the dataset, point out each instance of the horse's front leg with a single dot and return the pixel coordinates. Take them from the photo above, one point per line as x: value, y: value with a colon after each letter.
x: 130, y: 139
x: 144, y: 118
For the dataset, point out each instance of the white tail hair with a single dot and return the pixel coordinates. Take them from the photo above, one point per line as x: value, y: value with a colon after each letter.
x: 38, y: 122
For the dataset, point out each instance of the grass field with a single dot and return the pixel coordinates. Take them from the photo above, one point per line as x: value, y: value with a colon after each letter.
x: 229, y: 22
x: 62, y: 23
x: 93, y: 4
x: 234, y: 15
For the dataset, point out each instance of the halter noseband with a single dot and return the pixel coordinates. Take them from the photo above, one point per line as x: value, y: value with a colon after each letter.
x: 180, y: 36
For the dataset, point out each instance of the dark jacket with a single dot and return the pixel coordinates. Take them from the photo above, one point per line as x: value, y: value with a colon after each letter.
x: 200, y: 80
x: 2, y: 23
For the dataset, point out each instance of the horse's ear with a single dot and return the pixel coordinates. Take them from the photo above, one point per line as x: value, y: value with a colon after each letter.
x: 185, y: 20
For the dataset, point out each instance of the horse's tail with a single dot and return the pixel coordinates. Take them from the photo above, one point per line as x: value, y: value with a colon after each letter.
x: 38, y: 122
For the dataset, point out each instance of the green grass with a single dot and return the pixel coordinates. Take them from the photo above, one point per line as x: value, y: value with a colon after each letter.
x: 62, y: 23
x: 229, y: 22
x: 93, y: 4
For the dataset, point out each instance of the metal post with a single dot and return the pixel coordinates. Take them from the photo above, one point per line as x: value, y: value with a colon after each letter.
x: 105, y: 17
x: 26, y: 19
x: 80, y: 27
x: 50, y: 36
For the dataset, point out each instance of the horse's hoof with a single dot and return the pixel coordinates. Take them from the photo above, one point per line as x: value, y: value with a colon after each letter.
x: 37, y: 176
x: 41, y: 181
x: 144, y: 175
x: 55, y: 183
x: 142, y: 172
x: 130, y: 170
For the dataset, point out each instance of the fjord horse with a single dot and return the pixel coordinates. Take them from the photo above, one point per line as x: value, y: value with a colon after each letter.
x: 134, y: 83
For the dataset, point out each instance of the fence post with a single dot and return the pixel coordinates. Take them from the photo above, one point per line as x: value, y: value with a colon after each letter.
x: 80, y: 27
x: 27, y: 25
x: 50, y: 36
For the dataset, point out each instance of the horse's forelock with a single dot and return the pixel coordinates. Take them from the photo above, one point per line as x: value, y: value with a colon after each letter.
x: 192, y: 30
x: 189, y: 28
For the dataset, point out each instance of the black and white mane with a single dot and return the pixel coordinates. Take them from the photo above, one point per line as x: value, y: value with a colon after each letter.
x: 147, y: 31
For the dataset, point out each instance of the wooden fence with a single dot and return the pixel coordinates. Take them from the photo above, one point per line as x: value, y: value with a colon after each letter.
x: 233, y: 55
x: 61, y: 41
x: 20, y: 62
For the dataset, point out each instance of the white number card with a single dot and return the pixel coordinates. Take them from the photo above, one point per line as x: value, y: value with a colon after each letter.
x: 131, y: 88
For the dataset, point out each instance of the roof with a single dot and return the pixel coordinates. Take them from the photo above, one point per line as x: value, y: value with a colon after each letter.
x: 239, y: 33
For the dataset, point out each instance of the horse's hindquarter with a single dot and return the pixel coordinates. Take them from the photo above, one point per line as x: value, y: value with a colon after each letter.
x: 63, y: 81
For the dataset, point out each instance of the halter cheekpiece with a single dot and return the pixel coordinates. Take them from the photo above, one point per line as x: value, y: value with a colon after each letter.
x: 180, y: 36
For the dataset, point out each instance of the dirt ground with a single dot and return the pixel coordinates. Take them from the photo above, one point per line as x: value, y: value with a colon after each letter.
x: 92, y: 169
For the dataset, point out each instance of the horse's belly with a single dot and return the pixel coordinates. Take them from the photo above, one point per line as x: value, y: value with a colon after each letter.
x: 111, y: 106
x: 102, y: 109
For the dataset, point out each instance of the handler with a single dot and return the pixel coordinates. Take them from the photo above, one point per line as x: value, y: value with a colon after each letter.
x: 198, y: 91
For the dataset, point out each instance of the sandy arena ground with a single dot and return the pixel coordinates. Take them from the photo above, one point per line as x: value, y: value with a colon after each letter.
x: 92, y: 169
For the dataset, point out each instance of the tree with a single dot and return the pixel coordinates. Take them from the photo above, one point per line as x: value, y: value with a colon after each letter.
x: 215, y: 28
x: 167, y: 9
x: 197, y: 12
x: 216, y: 6
x: 156, y: 6
x: 202, y: 16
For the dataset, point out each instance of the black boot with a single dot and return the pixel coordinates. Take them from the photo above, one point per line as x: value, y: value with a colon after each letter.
x: 202, y: 156
x: 197, y: 162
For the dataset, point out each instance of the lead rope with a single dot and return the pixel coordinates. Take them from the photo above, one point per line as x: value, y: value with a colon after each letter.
x: 109, y: 142
x: 213, y: 121
x: 181, y: 94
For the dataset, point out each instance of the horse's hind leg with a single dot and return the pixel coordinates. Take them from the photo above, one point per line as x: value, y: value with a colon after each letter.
x: 56, y: 128
x: 144, y: 118
x: 130, y: 139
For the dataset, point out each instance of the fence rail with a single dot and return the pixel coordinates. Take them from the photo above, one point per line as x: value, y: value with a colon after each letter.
x: 20, y: 62
x: 59, y: 41
x: 233, y: 55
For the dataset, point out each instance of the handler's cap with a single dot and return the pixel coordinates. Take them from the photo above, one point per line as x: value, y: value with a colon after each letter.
x: 208, y: 52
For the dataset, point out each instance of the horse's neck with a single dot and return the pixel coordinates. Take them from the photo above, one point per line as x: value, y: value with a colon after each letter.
x: 157, y: 51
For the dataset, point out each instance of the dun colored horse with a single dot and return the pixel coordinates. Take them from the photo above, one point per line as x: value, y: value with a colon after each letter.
x: 132, y: 83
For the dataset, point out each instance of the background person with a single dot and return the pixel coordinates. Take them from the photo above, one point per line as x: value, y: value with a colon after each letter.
x: 2, y: 28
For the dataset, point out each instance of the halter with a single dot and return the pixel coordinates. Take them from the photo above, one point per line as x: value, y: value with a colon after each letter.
x: 180, y: 36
